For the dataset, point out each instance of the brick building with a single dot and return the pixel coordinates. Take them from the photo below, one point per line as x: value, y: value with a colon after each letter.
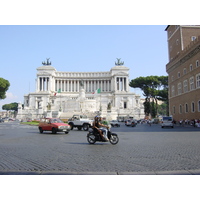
x: 184, y: 71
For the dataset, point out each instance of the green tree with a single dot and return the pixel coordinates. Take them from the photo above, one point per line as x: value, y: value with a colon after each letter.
x: 154, y: 88
x: 162, y: 109
x: 4, y: 85
x: 10, y: 106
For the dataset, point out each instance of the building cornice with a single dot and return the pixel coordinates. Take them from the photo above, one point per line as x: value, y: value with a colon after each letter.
x: 183, y: 59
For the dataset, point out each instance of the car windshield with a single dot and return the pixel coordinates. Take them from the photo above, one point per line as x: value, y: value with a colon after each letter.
x: 167, y: 118
x: 56, y: 120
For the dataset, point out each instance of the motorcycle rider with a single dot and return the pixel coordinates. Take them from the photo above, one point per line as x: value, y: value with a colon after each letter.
x: 97, y: 125
x: 104, y: 130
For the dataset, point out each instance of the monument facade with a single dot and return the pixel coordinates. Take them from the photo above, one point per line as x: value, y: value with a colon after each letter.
x: 62, y: 94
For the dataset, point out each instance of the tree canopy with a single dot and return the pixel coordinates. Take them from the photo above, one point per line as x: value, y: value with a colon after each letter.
x: 10, y: 106
x: 4, y: 85
x: 154, y: 88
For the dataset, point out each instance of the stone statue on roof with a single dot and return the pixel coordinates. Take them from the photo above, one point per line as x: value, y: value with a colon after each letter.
x: 118, y: 62
x: 47, y: 63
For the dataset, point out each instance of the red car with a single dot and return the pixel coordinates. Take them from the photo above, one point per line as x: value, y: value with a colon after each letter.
x: 53, y: 124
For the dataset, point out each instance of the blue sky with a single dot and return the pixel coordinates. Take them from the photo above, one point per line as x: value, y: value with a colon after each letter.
x: 143, y: 48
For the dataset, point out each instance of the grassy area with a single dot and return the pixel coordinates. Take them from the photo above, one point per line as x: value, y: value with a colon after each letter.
x: 30, y: 123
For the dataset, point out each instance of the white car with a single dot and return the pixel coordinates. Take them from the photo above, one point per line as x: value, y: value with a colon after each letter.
x: 114, y: 123
x: 167, y: 121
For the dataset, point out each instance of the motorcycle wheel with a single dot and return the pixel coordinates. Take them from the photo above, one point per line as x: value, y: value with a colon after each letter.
x: 114, y: 139
x: 91, y: 139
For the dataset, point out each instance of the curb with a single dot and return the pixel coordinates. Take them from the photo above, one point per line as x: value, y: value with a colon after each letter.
x: 180, y: 172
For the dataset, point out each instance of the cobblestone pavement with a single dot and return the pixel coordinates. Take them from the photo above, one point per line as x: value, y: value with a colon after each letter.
x: 141, y: 150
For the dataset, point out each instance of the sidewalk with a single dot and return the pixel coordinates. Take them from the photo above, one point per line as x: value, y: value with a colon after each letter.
x: 185, y: 125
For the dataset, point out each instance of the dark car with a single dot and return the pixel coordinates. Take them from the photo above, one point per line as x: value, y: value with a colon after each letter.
x: 133, y: 123
x: 1, y: 120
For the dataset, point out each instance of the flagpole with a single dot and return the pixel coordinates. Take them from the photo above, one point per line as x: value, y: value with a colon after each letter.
x: 59, y: 91
x: 60, y: 102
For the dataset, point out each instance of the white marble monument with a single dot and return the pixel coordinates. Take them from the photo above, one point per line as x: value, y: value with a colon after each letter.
x: 62, y: 94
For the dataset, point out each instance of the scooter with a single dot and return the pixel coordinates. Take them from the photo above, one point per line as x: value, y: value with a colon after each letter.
x: 94, y: 136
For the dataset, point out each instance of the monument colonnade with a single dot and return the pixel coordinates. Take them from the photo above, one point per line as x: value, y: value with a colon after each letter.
x: 89, y: 81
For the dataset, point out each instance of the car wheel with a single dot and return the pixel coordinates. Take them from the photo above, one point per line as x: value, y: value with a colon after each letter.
x: 54, y: 131
x: 40, y: 129
x: 72, y: 126
x: 66, y: 132
x: 85, y: 127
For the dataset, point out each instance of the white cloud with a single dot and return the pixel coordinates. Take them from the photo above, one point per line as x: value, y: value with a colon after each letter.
x: 10, y: 98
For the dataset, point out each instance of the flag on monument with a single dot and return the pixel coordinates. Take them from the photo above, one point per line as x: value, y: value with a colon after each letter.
x: 59, y: 91
x: 97, y: 91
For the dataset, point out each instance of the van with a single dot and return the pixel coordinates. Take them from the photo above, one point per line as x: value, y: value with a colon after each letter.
x: 167, y: 121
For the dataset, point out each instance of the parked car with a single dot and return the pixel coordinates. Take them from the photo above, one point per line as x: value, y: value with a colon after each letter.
x: 1, y: 120
x: 167, y: 121
x: 53, y: 124
x: 132, y: 123
x: 128, y: 122
x: 114, y: 123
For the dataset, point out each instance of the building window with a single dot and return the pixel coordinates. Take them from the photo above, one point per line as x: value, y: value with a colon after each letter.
x: 197, y: 63
x: 179, y: 88
x: 184, y: 71
x: 191, y: 67
x: 174, y: 110
x: 199, y: 106
x: 186, y: 107
x: 198, y: 81
x: 125, y: 105
x: 172, y: 78
x: 191, y: 83
x: 180, y: 109
x: 193, y: 38
x: 173, y: 91
x: 185, y: 86
x: 179, y: 75
x: 192, y: 107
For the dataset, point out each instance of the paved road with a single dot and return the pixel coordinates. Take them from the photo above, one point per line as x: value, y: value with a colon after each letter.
x: 141, y: 150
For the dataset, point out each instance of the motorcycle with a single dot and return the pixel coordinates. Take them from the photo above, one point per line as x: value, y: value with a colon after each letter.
x: 94, y: 136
